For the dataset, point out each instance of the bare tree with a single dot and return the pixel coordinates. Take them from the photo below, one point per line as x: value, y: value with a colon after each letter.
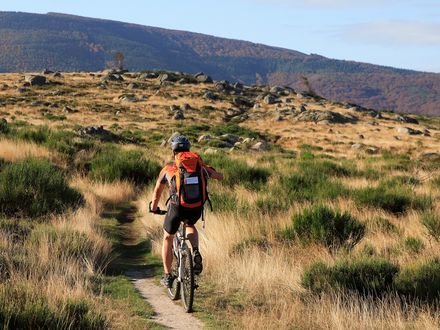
x: 119, y: 57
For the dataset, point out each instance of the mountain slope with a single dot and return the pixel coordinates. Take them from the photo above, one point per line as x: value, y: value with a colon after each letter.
x: 32, y: 42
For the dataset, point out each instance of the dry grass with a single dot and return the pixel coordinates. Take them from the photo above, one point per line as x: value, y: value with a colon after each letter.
x: 104, y: 192
x: 13, y: 150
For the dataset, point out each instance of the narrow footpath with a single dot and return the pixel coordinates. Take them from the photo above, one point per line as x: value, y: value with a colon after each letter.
x: 168, y: 313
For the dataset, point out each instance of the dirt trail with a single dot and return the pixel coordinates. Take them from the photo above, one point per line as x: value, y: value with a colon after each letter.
x: 168, y: 313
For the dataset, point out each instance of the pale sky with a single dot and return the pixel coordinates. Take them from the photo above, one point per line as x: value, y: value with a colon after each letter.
x: 398, y: 33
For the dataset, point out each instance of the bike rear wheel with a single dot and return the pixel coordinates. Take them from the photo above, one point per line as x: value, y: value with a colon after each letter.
x: 174, y: 291
x: 187, y: 288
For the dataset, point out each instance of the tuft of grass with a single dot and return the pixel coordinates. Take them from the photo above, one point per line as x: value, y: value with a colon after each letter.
x: 112, y: 164
x: 413, y: 244
x: 391, y: 198
x: 33, y: 188
x: 420, y: 281
x: 320, y: 224
x: 431, y: 222
x: 238, y: 172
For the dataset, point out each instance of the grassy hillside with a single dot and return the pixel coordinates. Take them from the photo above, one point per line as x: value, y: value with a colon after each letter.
x: 31, y: 42
x: 327, y: 217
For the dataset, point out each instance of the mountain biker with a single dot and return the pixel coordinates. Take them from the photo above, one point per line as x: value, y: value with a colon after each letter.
x: 176, y: 213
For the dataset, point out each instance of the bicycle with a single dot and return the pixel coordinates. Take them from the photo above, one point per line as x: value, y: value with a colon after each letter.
x: 182, y: 268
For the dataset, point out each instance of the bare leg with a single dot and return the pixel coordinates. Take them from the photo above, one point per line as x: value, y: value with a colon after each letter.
x: 193, y: 236
x: 167, y: 252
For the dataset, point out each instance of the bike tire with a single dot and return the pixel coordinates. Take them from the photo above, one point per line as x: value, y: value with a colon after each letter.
x: 187, y: 285
x: 174, y: 291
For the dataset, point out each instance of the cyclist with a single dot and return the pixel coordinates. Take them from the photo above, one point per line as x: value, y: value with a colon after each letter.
x: 176, y: 213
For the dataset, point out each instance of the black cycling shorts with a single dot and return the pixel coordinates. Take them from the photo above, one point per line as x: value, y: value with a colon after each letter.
x: 177, y: 214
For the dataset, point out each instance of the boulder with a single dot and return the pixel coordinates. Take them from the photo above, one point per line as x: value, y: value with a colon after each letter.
x: 210, y: 96
x: 242, y: 102
x: 174, y: 108
x: 35, y: 80
x: 164, y: 77
x: 148, y: 75
x: 270, y: 99
x: 407, y: 119
x: 232, y: 139
x: 408, y: 131
x: 204, y: 137
x: 325, y: 116
x: 260, y: 146
x: 289, y: 100
x: 132, y: 86
x: 203, y: 78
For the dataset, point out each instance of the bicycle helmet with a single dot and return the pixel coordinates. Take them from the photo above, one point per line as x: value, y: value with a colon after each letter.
x: 180, y: 143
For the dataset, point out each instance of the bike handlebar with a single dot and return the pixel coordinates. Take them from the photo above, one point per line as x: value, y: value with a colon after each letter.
x: 158, y: 210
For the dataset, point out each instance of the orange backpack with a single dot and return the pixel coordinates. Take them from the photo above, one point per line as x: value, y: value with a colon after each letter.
x: 190, y: 180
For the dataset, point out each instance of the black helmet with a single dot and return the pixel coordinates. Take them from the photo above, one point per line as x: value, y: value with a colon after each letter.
x: 180, y: 143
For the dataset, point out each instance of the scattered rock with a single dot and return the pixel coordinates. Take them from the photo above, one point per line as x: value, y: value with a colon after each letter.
x: 132, y: 86
x: 367, y: 149
x: 360, y: 136
x: 210, y: 96
x: 241, y: 102
x: 260, y: 146
x: 69, y: 110
x: 257, y: 106
x: 203, y: 78
x: 179, y: 115
x: 232, y: 139
x: 204, y: 137
x: 57, y: 75
x: 164, y: 77
x: 46, y: 71
x: 326, y: 117
x: 127, y: 98
x: 22, y: 90
x: 185, y: 107
x: 35, y: 80
x: 174, y: 108
x: 222, y: 86
x: 270, y: 99
x: 148, y: 75
x: 407, y: 119
x: 289, y: 100
x: 408, y: 131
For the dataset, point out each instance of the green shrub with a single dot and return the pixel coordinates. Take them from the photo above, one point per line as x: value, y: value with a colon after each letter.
x: 112, y: 164
x: 413, y: 244
x: 366, y: 276
x: 431, y: 222
x: 395, y: 199
x: 325, y: 168
x: 4, y: 127
x: 310, y: 187
x: 421, y: 281
x: 238, y: 172
x: 270, y: 205
x: 34, y: 188
x: 61, y: 141
x: 320, y: 224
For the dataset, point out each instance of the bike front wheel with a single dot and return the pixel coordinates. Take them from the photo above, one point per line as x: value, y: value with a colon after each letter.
x: 174, y: 291
x: 187, y: 289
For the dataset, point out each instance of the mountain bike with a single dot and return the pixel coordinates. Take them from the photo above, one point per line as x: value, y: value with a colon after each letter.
x: 182, y: 270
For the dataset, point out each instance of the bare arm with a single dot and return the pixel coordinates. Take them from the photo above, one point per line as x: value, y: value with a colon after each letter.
x: 158, y: 189
x: 214, y: 174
